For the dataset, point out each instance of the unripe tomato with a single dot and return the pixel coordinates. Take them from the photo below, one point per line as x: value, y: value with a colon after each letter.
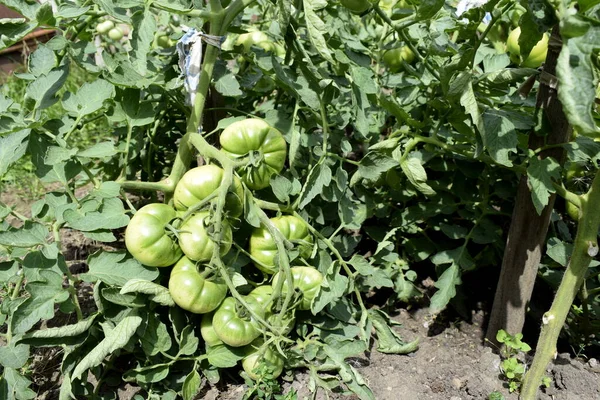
x: 104, y: 26
x: 195, y: 242
x: 191, y: 291
x: 356, y: 6
x: 393, y: 58
x: 255, y: 138
x: 307, y: 279
x: 163, y: 40
x: 264, y: 249
x: 263, y: 362
x: 148, y: 240
x: 207, y: 332
x: 262, y: 294
x: 115, y: 33
x: 537, y: 55
x: 200, y: 182
x: 260, y: 39
x: 234, y: 325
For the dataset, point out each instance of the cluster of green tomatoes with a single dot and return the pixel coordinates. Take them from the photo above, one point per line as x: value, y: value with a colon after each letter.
x: 109, y: 29
x: 180, y: 235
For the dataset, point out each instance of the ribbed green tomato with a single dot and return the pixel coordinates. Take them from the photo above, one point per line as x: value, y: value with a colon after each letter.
x: 255, y: 138
x: 262, y: 294
x: 260, y: 39
x: 393, y: 58
x: 234, y: 325
x: 200, y: 182
x: 207, y: 332
x: 191, y: 291
x: 356, y: 6
x: 195, y: 242
x: 148, y: 240
x: 307, y: 279
x: 262, y: 362
x: 537, y: 55
x: 262, y: 245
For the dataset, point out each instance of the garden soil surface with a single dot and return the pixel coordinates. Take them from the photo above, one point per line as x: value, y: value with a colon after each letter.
x: 451, y: 363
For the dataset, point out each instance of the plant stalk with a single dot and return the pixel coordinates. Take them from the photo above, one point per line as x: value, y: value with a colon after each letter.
x: 586, y: 247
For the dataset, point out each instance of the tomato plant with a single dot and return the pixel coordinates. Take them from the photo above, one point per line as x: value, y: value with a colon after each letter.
x: 191, y: 289
x: 264, y: 145
x: 207, y: 332
x: 263, y: 247
x: 148, y: 239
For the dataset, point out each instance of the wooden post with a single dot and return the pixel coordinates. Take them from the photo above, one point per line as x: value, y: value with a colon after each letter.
x: 527, y: 233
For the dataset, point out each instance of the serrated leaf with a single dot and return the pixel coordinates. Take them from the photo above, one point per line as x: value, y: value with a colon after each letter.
x: 12, y: 148
x: 499, y: 136
x: 428, y: 8
x: 99, y: 150
x: 114, y: 340
x: 334, y: 286
x: 446, y: 285
x: 319, y: 177
x: 17, y: 384
x: 89, y: 98
x: 388, y: 341
x: 158, y: 293
x: 540, y: 174
x: 31, y: 234
x: 14, y: 355
x: 117, y: 268
x: 44, y: 89
x: 372, y: 166
x: 188, y: 342
x: 228, y: 85
x: 316, y: 28
x: 110, y: 216
x: 352, y: 213
x: 222, y: 356
x: 156, y: 337
x: 42, y: 61
x: 144, y: 28
x: 416, y: 175
x: 60, y: 332
x: 13, y: 30
x: 149, y: 374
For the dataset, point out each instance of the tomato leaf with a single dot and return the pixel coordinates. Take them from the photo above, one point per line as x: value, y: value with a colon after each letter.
x: 416, y: 175
x: 319, y: 177
x: 158, y: 293
x: 316, y: 28
x: 540, y: 174
x: 14, y: 355
x: 59, y: 335
x: 222, y: 356
x: 191, y: 385
x: 116, y: 268
x: 446, y: 285
x: 12, y: 148
x: 114, y: 340
x: 88, y: 99
x: 16, y: 385
x: 388, y: 341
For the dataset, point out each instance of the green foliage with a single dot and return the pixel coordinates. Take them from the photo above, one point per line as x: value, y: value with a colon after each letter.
x: 395, y: 172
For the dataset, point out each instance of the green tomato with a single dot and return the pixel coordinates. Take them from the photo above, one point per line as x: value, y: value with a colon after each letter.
x: 356, y: 6
x: 262, y: 294
x: 264, y: 249
x: 394, y: 58
x: 263, y: 362
x: 195, y: 242
x: 147, y: 239
x: 207, y: 331
x: 104, y: 26
x: 200, y: 182
x: 264, y: 144
x: 115, y: 33
x: 163, y: 40
x: 260, y: 39
x: 537, y: 55
x: 234, y: 325
x: 307, y: 280
x: 191, y: 291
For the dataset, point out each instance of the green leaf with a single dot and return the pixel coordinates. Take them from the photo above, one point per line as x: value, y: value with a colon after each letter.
x: 222, y: 356
x: 111, y: 215
x: 114, y: 340
x: 158, y: 293
x: 499, y: 136
x: 319, y: 177
x: 540, y: 174
x: 428, y: 8
x: 372, y: 166
x: 12, y: 148
x: 89, y: 98
x: 388, y: 341
x: 44, y: 89
x: 446, y: 285
x: 18, y: 385
x: 28, y: 9
x: 316, y: 28
x: 191, y: 385
x: 577, y: 89
x: 416, y: 175
x: 144, y: 28
x: 8, y: 269
x: 228, y: 85
x: 119, y: 9
x: 42, y: 61
x: 352, y: 213
x: 40, y: 304
x: 99, y: 150
x: 31, y: 234
x: 156, y: 337
x: 59, y: 335
x: 117, y: 268
x: 13, y: 30
x: 333, y: 287
x: 14, y: 356
x: 149, y: 374
x: 188, y: 342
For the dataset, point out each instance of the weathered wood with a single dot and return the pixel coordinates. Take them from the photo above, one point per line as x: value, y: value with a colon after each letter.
x: 527, y: 233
